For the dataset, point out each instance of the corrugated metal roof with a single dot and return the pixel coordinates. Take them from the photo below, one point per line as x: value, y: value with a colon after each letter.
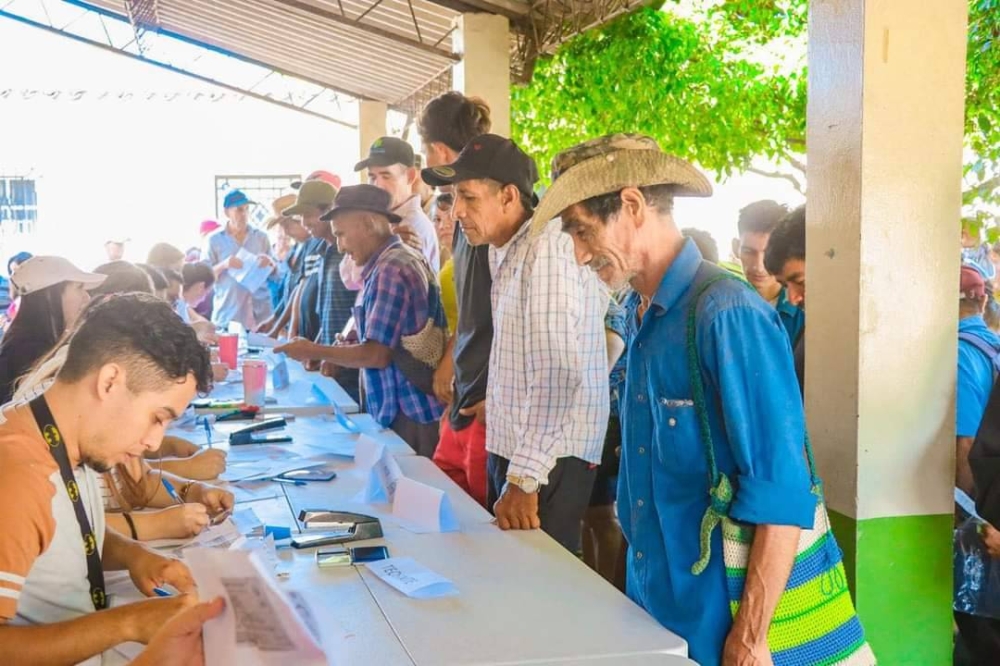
x: 385, y: 55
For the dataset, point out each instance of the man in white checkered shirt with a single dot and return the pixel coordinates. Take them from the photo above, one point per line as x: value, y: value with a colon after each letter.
x: 546, y: 401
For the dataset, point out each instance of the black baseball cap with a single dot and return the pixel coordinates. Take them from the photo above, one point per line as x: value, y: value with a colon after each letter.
x: 386, y: 151
x: 488, y: 156
x: 362, y: 197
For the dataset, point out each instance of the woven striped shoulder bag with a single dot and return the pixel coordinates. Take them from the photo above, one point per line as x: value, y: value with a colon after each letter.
x: 815, y: 623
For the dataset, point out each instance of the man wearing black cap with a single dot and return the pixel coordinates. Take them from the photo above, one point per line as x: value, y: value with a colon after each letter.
x: 391, y: 167
x: 401, y: 324
x: 546, y: 402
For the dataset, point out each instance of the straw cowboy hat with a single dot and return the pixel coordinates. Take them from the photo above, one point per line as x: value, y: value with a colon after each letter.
x: 612, y: 163
x: 277, y: 206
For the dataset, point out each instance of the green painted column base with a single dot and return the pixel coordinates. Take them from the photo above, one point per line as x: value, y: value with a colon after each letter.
x: 900, y: 571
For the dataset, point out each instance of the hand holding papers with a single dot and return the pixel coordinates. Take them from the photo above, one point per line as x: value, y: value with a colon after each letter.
x: 251, y: 275
x: 259, y: 626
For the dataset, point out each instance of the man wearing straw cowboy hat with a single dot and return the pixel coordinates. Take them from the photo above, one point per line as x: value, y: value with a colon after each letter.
x: 546, y: 400
x: 615, y: 196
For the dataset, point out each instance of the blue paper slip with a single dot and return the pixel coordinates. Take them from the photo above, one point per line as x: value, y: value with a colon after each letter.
x: 412, y: 578
x: 318, y: 397
x: 967, y: 505
x: 383, y: 479
x: 279, y: 373
x: 277, y: 532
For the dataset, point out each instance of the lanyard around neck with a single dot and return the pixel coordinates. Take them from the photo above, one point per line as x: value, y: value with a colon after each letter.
x: 57, y: 447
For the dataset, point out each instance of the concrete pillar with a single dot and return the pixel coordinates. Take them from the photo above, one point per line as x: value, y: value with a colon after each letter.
x: 885, y: 127
x: 483, y: 41
x: 371, y: 126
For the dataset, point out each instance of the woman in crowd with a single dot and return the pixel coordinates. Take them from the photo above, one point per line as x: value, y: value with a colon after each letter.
x: 12, y: 265
x: 53, y: 292
x: 444, y: 224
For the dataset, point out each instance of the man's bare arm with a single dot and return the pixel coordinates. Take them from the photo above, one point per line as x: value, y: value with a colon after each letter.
x: 772, y: 555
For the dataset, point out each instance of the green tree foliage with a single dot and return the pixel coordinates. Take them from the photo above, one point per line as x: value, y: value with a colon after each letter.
x: 982, y: 105
x: 658, y: 74
x: 699, y: 85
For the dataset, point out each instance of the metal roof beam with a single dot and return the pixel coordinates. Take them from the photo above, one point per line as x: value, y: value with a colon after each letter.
x: 512, y: 9
x: 385, y: 34
x: 156, y: 63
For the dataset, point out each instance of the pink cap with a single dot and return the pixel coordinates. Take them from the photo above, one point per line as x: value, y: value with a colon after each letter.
x: 208, y: 226
x: 325, y: 176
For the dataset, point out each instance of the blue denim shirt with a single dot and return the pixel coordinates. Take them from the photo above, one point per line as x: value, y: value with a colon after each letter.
x: 792, y: 316
x: 758, y: 427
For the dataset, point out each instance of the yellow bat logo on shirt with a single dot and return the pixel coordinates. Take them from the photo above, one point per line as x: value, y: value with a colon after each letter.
x: 73, y: 491
x: 51, y: 435
x: 90, y: 543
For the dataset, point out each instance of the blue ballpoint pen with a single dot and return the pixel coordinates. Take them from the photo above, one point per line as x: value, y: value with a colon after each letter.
x: 169, y: 487
x: 160, y: 592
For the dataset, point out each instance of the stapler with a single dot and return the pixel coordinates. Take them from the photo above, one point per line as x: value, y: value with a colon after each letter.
x: 248, y: 434
x: 338, y: 526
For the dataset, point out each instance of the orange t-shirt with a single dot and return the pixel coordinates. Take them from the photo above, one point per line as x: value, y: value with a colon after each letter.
x: 43, y: 566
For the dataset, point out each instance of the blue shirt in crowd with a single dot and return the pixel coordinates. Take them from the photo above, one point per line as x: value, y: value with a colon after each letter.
x: 975, y: 376
x: 232, y: 301
x: 758, y: 426
x: 397, y: 301
x: 792, y: 316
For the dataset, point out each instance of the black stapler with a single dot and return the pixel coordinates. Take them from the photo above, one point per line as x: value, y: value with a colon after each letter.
x: 248, y: 434
x: 337, y: 526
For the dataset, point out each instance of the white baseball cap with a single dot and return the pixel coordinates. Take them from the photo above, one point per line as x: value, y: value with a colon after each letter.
x: 38, y: 273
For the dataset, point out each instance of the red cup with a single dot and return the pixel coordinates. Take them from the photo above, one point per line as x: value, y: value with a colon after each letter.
x: 228, y: 345
x: 254, y: 383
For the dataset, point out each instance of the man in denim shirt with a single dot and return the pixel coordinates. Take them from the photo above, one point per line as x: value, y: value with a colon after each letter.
x: 615, y: 197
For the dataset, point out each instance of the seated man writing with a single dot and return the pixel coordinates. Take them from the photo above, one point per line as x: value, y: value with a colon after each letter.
x: 131, y: 367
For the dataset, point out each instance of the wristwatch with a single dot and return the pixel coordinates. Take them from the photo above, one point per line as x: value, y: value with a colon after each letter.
x: 525, y: 483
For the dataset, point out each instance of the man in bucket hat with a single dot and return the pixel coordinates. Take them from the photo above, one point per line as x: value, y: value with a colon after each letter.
x: 401, y: 325
x: 546, y: 404
x: 615, y: 196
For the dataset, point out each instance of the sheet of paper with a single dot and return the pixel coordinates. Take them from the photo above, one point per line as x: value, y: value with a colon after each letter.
x: 254, y: 492
x: 260, y: 471
x: 240, y: 471
x: 252, y: 276
x: 412, y: 578
x: 425, y: 507
x: 259, y: 452
x: 246, y: 520
x: 260, y: 625
x: 267, y: 551
x: 216, y: 536
x: 263, y: 341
